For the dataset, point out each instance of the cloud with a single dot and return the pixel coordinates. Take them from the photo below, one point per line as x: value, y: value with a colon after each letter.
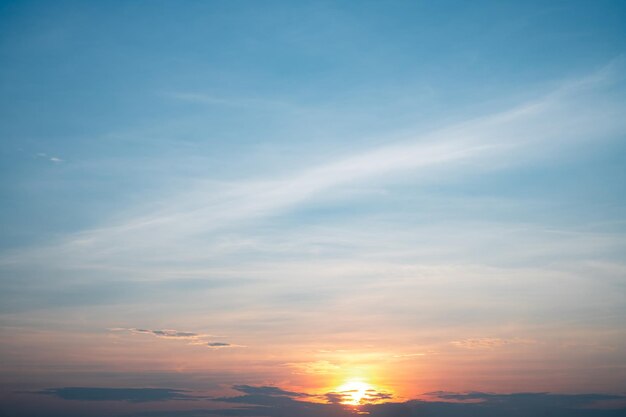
x: 54, y: 159
x: 222, y: 345
x: 489, y: 343
x: 275, y: 402
x: 166, y: 333
x: 135, y: 395
x: 576, y: 403
x: 370, y: 396
x: 169, y: 333
x: 320, y: 367
x: 267, y: 396
x: 414, y: 355
x: 578, y: 111
x: 268, y: 390
x: 193, y: 338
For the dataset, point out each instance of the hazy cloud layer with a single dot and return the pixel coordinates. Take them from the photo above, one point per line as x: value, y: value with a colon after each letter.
x: 489, y: 342
x: 274, y: 402
x: 135, y: 395
x: 321, y: 367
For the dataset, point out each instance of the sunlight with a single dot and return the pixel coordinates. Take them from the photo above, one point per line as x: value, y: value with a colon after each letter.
x: 354, y: 391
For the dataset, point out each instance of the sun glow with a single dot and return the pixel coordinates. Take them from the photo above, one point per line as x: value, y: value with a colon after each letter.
x: 354, y: 392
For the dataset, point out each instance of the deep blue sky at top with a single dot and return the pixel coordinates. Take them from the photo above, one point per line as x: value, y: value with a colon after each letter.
x: 112, y: 89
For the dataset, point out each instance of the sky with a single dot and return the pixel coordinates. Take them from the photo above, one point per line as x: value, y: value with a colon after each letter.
x: 312, y: 208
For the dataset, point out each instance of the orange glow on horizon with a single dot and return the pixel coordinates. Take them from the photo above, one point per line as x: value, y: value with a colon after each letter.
x: 358, y: 392
x: 353, y: 392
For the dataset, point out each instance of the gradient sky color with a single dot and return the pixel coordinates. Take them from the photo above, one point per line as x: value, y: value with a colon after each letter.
x: 271, y: 200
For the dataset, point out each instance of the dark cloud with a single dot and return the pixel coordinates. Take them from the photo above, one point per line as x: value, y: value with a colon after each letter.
x: 218, y: 344
x: 335, y: 397
x: 118, y: 394
x: 263, y: 395
x: 275, y: 402
x: 265, y: 390
x: 510, y: 405
x: 271, y: 401
x: 533, y: 400
x: 370, y: 396
x: 378, y: 396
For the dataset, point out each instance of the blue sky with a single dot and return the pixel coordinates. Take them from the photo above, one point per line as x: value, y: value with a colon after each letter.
x: 104, y: 85
x: 251, y: 192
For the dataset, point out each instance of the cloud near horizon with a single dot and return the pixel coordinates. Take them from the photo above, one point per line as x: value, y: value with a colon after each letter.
x: 134, y: 395
x: 272, y: 401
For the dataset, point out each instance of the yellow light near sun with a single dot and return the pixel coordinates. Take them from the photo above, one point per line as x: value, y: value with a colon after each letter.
x: 354, y: 391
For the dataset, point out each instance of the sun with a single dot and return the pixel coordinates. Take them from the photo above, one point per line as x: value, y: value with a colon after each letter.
x: 354, y: 391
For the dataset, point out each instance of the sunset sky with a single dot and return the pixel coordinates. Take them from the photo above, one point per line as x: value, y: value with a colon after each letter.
x: 312, y: 208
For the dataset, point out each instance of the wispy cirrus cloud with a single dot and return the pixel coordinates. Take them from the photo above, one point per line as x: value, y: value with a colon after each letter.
x: 241, y: 102
x: 559, y: 118
x: 320, y: 367
x: 414, y: 355
x: 490, y: 342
